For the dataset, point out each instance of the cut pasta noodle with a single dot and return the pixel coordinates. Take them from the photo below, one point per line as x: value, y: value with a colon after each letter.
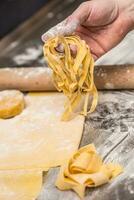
x: 86, y: 169
x: 72, y: 75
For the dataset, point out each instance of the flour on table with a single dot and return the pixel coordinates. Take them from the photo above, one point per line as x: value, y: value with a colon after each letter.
x: 29, y: 54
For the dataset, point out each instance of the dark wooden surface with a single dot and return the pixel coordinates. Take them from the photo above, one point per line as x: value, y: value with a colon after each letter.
x: 110, y: 127
x: 14, y: 12
x: 25, y: 47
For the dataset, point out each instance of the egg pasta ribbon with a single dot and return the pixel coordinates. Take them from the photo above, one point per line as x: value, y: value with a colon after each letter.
x: 72, y: 75
x: 86, y: 169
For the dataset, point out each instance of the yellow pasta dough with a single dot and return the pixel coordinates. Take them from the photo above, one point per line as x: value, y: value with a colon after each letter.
x: 11, y: 103
x: 34, y: 141
x: 20, y: 185
x: 86, y: 169
x: 72, y: 75
x: 37, y: 138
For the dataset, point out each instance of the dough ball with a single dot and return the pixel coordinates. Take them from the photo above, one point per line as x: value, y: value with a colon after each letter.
x: 11, y: 103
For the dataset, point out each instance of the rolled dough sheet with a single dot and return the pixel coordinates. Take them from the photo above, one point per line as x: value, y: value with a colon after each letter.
x: 20, y: 185
x: 37, y: 138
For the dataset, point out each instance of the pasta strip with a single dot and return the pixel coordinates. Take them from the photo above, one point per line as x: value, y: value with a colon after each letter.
x: 72, y: 76
x: 86, y: 169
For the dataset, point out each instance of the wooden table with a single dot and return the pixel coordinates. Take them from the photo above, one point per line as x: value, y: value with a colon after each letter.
x: 110, y: 127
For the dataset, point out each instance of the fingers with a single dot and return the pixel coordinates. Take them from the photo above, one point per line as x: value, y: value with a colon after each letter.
x: 60, y: 48
x: 95, y: 47
x: 53, y: 31
x: 63, y: 28
x: 69, y: 25
x: 73, y: 49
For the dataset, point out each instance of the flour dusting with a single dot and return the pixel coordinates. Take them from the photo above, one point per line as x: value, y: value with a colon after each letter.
x: 109, y: 86
x: 29, y: 54
x: 27, y: 73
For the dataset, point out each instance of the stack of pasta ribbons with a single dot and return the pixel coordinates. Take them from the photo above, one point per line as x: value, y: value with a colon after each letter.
x: 73, y: 75
x: 86, y: 169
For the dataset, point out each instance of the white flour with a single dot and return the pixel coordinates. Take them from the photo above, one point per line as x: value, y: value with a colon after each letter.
x: 29, y: 54
x: 109, y: 86
x: 28, y: 73
x: 63, y: 28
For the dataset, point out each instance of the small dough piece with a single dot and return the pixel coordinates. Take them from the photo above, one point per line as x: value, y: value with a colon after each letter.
x: 11, y: 103
x: 20, y: 185
x: 86, y: 169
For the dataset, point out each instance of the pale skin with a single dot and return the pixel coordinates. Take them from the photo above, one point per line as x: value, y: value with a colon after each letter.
x: 101, y: 23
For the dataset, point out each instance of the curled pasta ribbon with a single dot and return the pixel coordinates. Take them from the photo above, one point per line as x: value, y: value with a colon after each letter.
x: 73, y: 76
x: 86, y: 169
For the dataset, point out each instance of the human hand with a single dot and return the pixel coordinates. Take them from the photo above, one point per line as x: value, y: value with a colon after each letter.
x: 101, y: 23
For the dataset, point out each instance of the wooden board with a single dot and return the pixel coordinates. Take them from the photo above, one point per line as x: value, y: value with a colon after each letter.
x: 110, y: 127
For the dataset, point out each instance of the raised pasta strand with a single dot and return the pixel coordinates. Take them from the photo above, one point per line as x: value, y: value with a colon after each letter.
x: 72, y: 75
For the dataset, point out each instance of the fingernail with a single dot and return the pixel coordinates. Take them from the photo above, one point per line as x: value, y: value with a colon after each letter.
x: 44, y: 37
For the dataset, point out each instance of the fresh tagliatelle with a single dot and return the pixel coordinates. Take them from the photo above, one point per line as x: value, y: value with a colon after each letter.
x: 72, y: 75
x: 86, y: 169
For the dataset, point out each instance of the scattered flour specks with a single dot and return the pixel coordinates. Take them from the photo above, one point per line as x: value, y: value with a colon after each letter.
x: 13, y: 45
x: 109, y: 86
x: 29, y: 73
x: 29, y: 54
x: 38, y: 71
